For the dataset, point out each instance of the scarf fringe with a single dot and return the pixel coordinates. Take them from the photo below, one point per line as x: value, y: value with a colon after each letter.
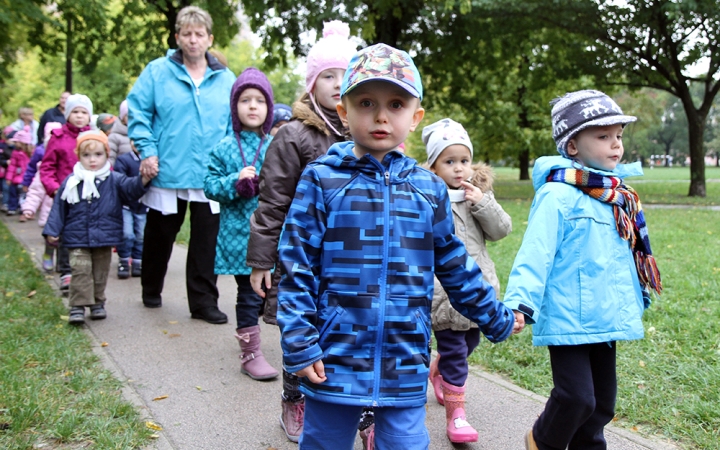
x: 648, y: 271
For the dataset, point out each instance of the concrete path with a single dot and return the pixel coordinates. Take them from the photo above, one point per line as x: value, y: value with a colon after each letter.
x: 211, y: 405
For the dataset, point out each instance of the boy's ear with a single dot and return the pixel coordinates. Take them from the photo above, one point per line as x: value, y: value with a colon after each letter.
x: 417, y: 118
x: 342, y: 113
x: 572, y: 149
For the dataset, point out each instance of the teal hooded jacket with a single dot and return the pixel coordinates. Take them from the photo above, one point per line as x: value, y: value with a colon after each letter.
x: 180, y: 124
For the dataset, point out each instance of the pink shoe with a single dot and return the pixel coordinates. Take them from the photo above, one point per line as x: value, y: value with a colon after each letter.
x: 368, y: 437
x: 292, y: 418
x: 458, y: 428
x: 436, y: 380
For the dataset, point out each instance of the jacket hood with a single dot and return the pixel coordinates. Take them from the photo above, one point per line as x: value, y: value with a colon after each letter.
x: 251, y: 78
x: 119, y: 128
x: 303, y: 111
x: 482, y: 177
x: 341, y: 156
x: 546, y: 164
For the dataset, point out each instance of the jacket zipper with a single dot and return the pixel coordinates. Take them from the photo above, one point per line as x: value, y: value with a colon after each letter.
x: 383, y: 288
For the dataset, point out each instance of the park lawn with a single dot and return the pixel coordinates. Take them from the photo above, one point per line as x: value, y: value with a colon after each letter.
x: 669, y: 382
x: 54, y: 391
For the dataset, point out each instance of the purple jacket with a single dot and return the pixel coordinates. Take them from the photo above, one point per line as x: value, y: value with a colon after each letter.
x: 31, y: 170
x: 60, y: 157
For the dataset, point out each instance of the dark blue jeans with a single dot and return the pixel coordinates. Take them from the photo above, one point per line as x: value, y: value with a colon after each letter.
x: 133, y: 235
x: 247, y: 308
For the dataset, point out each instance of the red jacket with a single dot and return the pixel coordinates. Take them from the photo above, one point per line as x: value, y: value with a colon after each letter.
x: 16, y: 167
x: 60, y: 157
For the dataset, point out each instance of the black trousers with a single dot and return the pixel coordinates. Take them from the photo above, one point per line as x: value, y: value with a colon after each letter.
x: 583, y: 399
x: 247, y: 308
x: 454, y: 348
x: 160, y: 233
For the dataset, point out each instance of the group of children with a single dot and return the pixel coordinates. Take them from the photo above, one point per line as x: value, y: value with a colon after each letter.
x: 357, y: 252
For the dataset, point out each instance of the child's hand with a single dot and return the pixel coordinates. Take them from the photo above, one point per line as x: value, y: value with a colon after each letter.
x: 315, y: 373
x: 258, y: 278
x: 25, y: 189
x: 149, y: 167
x: 472, y: 193
x: 52, y: 240
x: 519, y: 322
x: 247, y: 172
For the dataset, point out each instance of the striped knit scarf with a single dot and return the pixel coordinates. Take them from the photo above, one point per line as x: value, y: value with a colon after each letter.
x: 629, y: 217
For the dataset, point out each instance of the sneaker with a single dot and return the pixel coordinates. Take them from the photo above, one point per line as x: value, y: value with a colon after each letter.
x: 124, y: 269
x: 136, y: 268
x: 97, y: 312
x: 47, y: 263
x: 292, y: 418
x: 3, y: 208
x: 530, y: 441
x: 11, y: 212
x: 65, y: 282
x: 368, y: 437
x: 23, y: 218
x: 76, y: 315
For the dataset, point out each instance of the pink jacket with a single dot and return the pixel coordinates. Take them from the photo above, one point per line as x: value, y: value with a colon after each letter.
x: 37, y: 198
x: 16, y: 167
x: 60, y: 157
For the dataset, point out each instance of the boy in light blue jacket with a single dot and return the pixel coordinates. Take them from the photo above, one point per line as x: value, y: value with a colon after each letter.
x: 584, y: 270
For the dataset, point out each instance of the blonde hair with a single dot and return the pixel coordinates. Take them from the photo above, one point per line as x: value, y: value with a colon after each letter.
x: 91, y: 144
x: 192, y: 15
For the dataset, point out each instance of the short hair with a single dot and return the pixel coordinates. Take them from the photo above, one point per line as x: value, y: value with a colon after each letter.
x: 25, y: 110
x: 192, y: 15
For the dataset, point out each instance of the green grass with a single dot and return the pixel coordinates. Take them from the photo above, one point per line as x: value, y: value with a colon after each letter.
x: 54, y: 391
x: 669, y: 382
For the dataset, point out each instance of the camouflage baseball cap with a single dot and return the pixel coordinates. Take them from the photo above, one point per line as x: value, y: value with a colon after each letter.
x: 382, y: 62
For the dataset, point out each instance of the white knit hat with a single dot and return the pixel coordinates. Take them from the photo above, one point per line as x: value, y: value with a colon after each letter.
x: 441, y: 135
x: 78, y: 101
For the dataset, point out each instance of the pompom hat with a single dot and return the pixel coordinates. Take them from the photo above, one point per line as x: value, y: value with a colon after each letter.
x: 123, y: 110
x: 78, y: 101
x: 332, y: 51
x: 441, y: 135
x: 23, y: 136
x: 579, y: 110
x: 251, y: 78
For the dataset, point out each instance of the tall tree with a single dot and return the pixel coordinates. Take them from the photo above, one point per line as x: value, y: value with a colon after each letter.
x: 647, y: 43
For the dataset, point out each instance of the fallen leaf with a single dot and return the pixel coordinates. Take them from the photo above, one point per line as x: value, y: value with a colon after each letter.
x: 31, y: 293
x: 154, y: 436
x: 642, y: 363
x: 104, y: 344
x: 165, y: 331
x: 174, y: 335
x: 9, y: 294
x: 173, y: 322
x: 65, y: 318
x: 198, y: 388
x: 153, y: 426
x: 635, y: 429
x: 161, y: 397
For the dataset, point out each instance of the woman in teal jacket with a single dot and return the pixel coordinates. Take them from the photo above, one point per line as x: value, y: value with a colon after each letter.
x: 178, y: 110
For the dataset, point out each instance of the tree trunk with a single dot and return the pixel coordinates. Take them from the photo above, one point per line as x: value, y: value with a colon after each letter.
x: 68, y: 56
x: 696, y: 127
x: 524, y: 161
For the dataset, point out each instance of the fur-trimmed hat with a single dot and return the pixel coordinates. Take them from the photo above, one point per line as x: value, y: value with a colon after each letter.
x: 251, y: 78
x: 576, y: 111
x: 78, y: 101
x: 92, y: 135
x: 332, y: 51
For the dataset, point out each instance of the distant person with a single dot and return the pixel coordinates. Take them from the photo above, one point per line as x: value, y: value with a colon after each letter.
x: 179, y: 110
x: 87, y: 213
x: 134, y: 219
x: 315, y: 126
x: 26, y: 119
x: 22, y: 140
x: 6, y: 149
x: 38, y: 154
x: 365, y: 235
x: 118, y: 137
x: 54, y: 114
x: 281, y: 115
x: 38, y: 202
x: 477, y: 218
x: 584, y: 270
x: 58, y: 162
x: 232, y: 181
x: 105, y: 122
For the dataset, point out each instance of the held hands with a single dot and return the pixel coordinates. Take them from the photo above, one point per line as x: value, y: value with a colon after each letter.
x: 519, y: 322
x: 257, y: 278
x: 149, y: 168
x: 472, y: 193
x: 52, y: 240
x: 315, y: 373
x: 247, y: 172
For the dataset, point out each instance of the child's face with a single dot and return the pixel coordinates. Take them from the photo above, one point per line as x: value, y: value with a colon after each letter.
x: 79, y: 117
x: 453, y: 165
x: 277, y: 126
x: 380, y: 115
x: 252, y: 109
x: 27, y: 116
x: 327, y: 87
x: 598, y: 147
x: 93, y: 156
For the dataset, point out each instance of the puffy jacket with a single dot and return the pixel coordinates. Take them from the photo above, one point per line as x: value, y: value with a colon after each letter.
x: 474, y: 224
x: 574, y: 276
x: 171, y: 119
x: 303, y: 139
x: 361, y: 243
x: 32, y: 167
x: 16, y: 167
x: 60, y: 156
x: 128, y: 164
x: 37, y: 201
x: 118, y: 141
x: 235, y: 211
x: 97, y: 222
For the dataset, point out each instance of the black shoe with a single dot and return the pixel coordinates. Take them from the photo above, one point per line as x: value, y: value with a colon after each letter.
x: 97, y: 312
x: 152, y: 302
x: 124, y: 269
x: 76, y: 315
x: 211, y: 314
x: 136, y: 268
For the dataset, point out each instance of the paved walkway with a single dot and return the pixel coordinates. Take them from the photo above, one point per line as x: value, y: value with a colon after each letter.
x: 211, y: 405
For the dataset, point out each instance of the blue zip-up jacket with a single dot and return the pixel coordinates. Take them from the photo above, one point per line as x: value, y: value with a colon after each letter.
x: 97, y: 222
x: 360, y: 245
x: 574, y: 276
x: 128, y: 164
x: 171, y: 119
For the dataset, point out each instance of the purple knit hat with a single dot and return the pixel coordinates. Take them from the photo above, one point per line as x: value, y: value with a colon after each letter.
x: 251, y: 78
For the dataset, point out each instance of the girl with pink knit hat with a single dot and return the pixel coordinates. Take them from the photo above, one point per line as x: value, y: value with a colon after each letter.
x: 16, y: 167
x: 313, y: 128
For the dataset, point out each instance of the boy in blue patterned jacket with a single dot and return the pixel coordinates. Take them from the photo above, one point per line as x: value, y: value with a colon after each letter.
x: 365, y: 234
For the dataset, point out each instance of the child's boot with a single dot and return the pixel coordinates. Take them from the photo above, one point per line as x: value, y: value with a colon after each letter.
x: 136, y: 268
x: 47, y: 262
x: 436, y: 380
x: 458, y: 428
x: 252, y: 360
x: 76, y: 316
x: 124, y: 268
x: 292, y: 418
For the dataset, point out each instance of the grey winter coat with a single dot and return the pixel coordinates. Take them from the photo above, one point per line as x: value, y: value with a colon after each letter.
x: 118, y: 141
